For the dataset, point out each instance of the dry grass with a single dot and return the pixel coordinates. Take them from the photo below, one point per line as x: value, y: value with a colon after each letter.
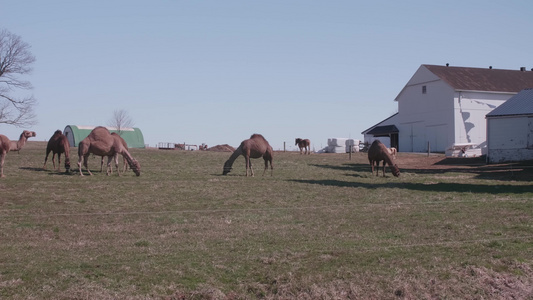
x: 321, y: 228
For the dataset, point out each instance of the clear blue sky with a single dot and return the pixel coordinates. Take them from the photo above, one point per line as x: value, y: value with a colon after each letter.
x: 216, y: 72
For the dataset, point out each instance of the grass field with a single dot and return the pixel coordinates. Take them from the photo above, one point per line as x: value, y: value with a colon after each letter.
x: 321, y: 228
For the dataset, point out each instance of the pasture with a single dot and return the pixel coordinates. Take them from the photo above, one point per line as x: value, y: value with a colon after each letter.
x: 321, y: 228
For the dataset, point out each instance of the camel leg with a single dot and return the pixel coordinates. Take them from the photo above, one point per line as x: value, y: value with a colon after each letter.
x: 266, y: 167
x: 249, y: 165
x: 125, y: 164
x: 2, y: 157
x: 116, y: 164
x: 45, y: 159
x: 109, y: 168
x: 384, y: 164
x: 58, y: 162
x: 102, y: 164
x: 80, y: 159
x: 54, y: 160
x: 85, y: 160
x: 377, y: 167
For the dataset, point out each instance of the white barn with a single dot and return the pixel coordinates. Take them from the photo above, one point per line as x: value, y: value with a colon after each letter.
x: 510, y: 129
x: 442, y: 106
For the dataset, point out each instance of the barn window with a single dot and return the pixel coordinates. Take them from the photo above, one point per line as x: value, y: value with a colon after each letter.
x: 424, y: 89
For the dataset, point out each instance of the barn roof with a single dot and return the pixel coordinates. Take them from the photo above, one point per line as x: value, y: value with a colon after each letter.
x: 519, y: 104
x: 366, y: 131
x: 484, y: 79
x: 385, y: 130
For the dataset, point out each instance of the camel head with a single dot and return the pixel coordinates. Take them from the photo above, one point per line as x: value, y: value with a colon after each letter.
x: 135, y: 167
x: 28, y: 134
x: 67, y: 164
x: 226, y: 170
x: 395, y: 170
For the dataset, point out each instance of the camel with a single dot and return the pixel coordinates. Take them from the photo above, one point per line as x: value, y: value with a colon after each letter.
x: 304, y: 144
x: 100, y: 142
x: 6, y: 145
x: 58, y: 143
x: 378, y: 152
x: 254, y: 147
x: 392, y: 152
x: 123, y: 142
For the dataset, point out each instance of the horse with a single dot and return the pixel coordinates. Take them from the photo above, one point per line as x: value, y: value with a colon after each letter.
x: 304, y: 144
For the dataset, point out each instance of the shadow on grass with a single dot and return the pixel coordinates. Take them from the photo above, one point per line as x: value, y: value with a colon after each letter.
x: 502, y: 172
x: 429, y: 187
x: 49, y: 171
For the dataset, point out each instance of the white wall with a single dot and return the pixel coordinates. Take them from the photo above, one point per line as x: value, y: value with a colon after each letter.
x: 470, y: 111
x: 425, y: 117
x: 509, y: 139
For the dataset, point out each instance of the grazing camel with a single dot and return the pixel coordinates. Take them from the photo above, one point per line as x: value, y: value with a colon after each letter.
x: 392, y: 152
x: 58, y: 143
x: 123, y: 142
x: 304, y: 144
x: 100, y: 142
x: 6, y: 145
x: 254, y: 147
x: 378, y: 152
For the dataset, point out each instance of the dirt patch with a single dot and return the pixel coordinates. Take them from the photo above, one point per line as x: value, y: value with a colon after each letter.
x: 437, y: 161
x: 221, y: 148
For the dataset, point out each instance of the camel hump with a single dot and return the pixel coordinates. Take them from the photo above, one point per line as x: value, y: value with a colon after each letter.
x: 101, y: 128
x: 256, y: 135
x: 377, y: 142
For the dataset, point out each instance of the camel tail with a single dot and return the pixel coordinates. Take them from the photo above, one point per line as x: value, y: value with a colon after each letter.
x: 229, y: 163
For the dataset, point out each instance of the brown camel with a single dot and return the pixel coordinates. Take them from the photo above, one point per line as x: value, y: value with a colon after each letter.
x: 124, y: 163
x: 254, y: 147
x: 304, y: 144
x: 378, y: 152
x: 58, y: 143
x: 6, y: 145
x: 100, y: 142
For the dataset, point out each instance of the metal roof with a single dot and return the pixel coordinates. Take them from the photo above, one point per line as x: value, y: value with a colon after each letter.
x: 383, y: 130
x: 374, y: 126
x: 483, y: 79
x: 519, y: 104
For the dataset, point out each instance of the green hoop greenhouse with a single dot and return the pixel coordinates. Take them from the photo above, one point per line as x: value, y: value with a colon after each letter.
x: 75, y: 133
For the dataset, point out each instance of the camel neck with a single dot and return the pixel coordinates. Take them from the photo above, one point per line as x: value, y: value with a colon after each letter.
x: 17, y: 145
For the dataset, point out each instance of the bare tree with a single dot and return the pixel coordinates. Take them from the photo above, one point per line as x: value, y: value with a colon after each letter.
x: 120, y: 120
x: 15, y: 61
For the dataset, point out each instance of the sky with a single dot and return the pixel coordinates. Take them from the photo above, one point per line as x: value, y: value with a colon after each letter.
x: 215, y: 72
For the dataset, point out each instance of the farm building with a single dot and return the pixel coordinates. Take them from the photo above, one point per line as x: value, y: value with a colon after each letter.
x: 510, y: 129
x: 442, y: 107
x: 75, y: 133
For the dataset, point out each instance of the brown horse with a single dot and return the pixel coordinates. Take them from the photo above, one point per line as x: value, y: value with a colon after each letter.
x: 304, y: 144
x: 58, y: 143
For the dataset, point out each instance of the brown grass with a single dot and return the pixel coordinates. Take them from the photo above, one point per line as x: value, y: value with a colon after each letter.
x: 321, y: 228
